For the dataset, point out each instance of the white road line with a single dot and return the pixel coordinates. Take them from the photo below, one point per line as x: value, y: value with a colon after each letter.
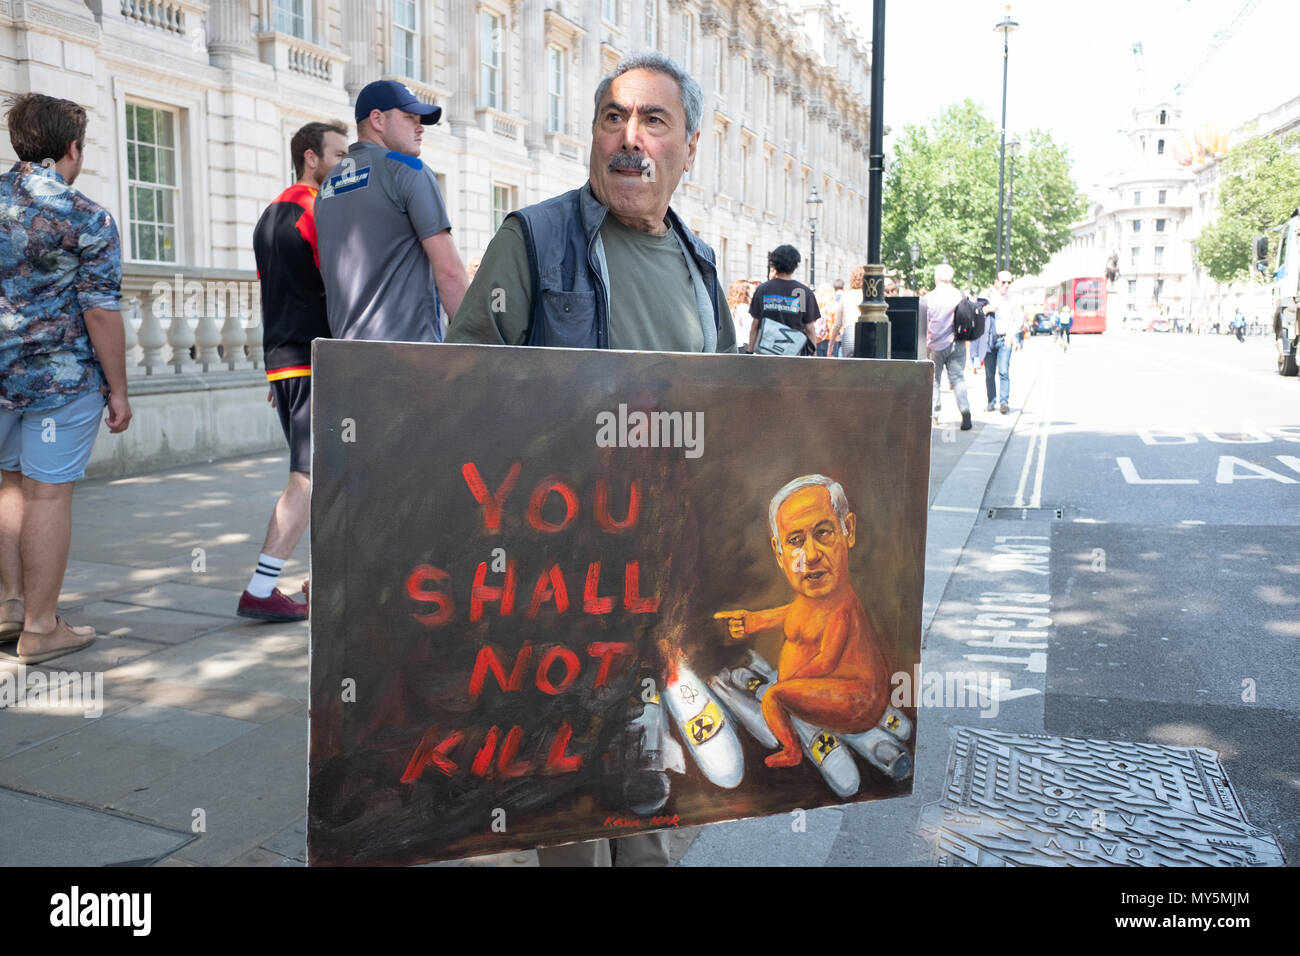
x: 1037, y: 501
x: 1024, y: 470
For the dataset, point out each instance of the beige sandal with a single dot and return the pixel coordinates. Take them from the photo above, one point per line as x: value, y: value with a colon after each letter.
x: 62, y: 629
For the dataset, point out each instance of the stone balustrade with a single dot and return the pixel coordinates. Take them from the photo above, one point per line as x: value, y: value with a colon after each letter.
x: 195, y: 320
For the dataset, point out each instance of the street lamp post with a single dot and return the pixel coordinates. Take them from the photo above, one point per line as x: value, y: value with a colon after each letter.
x: 1005, y: 27
x: 873, y: 323
x: 1013, y: 147
x: 812, y: 202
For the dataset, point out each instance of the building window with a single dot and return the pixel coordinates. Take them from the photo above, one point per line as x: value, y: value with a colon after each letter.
x: 1163, y: 117
x: 1132, y: 286
x: 489, y: 73
x: 503, y: 203
x: 1137, y: 225
x: 1160, y: 196
x: 1137, y: 198
x: 652, y: 24
x: 609, y: 11
x: 290, y: 16
x: 405, y: 39
x: 1160, y: 147
x: 1159, y: 287
x: 151, y: 179
x: 554, y: 89
x: 1134, y: 251
x: 1159, y: 255
x: 1160, y: 225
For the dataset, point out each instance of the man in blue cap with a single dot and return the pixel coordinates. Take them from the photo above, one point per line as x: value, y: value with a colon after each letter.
x: 384, y: 239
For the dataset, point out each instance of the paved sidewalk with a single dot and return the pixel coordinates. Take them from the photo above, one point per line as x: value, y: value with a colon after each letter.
x: 199, y: 755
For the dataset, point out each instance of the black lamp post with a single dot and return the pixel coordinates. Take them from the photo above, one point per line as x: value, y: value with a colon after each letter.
x: 1013, y: 147
x: 1006, y: 26
x: 812, y: 202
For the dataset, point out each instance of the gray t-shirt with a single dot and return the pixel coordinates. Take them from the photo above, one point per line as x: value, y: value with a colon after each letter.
x: 652, y: 302
x: 373, y: 212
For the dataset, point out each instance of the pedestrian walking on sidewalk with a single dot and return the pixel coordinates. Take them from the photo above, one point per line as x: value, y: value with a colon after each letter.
x: 293, y: 314
x: 386, y: 252
x: 1003, y: 317
x: 62, y: 359
x: 941, y: 343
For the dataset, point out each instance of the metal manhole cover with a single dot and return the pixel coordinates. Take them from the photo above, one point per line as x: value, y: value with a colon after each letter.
x: 1024, y: 514
x: 1038, y: 800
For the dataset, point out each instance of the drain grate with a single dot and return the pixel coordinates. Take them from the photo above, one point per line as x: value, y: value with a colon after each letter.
x: 1038, y: 800
x: 1024, y: 514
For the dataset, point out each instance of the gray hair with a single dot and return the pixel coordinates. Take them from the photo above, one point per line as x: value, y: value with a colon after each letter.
x: 839, y: 501
x: 692, y: 97
x: 943, y: 272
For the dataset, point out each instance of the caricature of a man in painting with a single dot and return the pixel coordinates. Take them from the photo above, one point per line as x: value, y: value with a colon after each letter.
x: 831, y: 672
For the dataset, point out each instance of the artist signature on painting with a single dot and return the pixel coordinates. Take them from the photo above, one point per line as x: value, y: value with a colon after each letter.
x: 634, y: 822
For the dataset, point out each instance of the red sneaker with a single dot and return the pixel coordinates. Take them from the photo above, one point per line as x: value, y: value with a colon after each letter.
x: 279, y: 607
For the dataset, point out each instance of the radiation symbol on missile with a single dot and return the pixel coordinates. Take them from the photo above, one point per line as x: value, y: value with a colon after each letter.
x: 823, y: 746
x: 891, y: 722
x: 705, y: 724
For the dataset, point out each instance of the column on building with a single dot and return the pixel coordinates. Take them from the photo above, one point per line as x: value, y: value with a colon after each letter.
x: 358, y: 18
x: 590, y: 72
x: 636, y: 37
x: 230, y: 30
x: 462, y: 55
x: 532, y: 101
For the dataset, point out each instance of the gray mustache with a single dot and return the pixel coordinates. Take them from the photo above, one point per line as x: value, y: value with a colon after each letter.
x: 626, y: 161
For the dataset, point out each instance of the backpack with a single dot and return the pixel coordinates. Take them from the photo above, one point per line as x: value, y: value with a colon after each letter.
x: 968, y: 320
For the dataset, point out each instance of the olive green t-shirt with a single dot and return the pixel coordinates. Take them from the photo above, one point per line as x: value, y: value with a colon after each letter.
x: 652, y: 297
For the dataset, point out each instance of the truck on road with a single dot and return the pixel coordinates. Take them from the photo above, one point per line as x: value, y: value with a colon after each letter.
x: 1285, y: 288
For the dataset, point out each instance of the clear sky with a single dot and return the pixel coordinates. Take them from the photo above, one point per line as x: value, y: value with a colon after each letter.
x: 1071, y: 68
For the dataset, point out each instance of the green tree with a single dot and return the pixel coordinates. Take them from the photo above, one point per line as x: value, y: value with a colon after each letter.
x: 941, y: 193
x: 1259, y: 188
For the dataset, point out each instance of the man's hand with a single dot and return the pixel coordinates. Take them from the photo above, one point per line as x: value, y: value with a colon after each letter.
x: 270, y: 396
x: 735, y: 622
x: 119, y: 412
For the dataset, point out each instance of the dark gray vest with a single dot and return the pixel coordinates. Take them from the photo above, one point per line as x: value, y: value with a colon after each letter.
x: 570, y: 302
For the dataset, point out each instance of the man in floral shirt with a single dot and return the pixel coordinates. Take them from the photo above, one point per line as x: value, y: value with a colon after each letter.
x: 62, y: 359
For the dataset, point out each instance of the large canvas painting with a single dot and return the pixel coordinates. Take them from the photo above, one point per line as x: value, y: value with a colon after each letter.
x: 560, y: 595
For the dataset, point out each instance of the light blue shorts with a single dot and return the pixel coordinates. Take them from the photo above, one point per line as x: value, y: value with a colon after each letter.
x: 52, y: 445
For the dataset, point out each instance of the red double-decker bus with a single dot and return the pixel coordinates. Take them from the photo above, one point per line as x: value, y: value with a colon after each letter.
x: 1087, y: 301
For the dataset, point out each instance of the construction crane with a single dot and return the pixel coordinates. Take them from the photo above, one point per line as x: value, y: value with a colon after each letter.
x: 1221, y: 37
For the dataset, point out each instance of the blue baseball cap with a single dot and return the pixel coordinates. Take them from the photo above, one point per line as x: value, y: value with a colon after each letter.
x: 391, y: 95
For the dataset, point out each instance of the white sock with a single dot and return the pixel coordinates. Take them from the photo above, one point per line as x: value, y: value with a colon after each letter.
x: 268, y: 572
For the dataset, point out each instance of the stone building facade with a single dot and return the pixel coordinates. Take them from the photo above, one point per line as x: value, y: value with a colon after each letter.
x: 1141, y: 214
x: 193, y: 102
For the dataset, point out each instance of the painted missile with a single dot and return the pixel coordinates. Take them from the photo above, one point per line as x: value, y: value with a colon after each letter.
x: 647, y: 789
x: 710, y: 738
x: 821, y: 747
x: 883, y: 751
x: 732, y: 688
